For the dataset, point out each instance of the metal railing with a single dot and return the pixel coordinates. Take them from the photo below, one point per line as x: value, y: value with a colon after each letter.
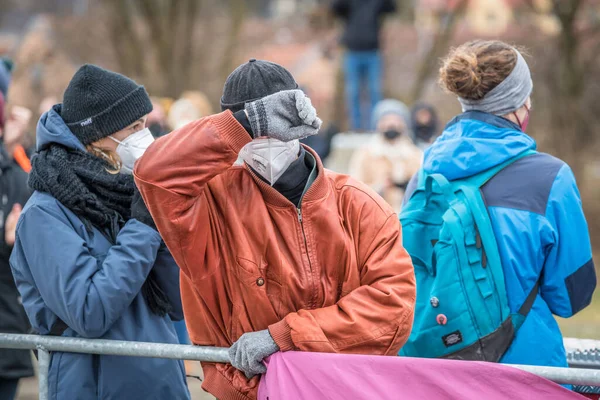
x: 47, y: 344
x: 583, y: 353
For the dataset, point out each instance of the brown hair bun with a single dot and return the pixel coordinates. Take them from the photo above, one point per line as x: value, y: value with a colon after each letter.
x: 473, y: 69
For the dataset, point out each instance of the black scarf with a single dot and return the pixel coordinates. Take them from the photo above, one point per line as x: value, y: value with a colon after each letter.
x: 293, y: 181
x: 82, y: 183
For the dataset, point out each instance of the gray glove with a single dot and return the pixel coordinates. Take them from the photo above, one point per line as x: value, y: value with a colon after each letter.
x: 248, y: 352
x: 286, y: 116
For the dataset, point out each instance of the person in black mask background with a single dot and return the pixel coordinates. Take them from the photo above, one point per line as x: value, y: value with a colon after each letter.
x: 157, y: 119
x: 390, y: 158
x: 425, y: 124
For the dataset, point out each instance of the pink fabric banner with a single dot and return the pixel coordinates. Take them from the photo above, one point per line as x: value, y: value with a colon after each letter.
x: 315, y: 376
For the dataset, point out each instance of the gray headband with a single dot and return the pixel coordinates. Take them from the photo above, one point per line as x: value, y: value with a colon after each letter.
x: 508, y: 96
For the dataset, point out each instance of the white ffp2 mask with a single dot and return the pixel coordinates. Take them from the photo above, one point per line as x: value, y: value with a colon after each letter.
x: 270, y: 158
x: 132, y: 148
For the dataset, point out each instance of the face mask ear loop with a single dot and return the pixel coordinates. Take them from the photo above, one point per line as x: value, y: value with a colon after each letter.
x: 115, y: 140
x: 519, y: 119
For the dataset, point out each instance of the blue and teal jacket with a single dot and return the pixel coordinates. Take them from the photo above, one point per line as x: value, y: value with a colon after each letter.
x: 538, y: 221
x: 64, y: 272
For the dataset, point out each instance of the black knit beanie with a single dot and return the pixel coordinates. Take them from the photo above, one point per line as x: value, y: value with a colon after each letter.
x: 98, y: 103
x: 254, y: 80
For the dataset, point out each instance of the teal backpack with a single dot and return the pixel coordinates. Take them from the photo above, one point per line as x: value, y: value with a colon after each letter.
x: 462, y: 309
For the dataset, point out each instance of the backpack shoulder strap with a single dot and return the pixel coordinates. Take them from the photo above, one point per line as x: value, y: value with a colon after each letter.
x: 519, y: 317
x: 470, y: 190
x: 482, y: 178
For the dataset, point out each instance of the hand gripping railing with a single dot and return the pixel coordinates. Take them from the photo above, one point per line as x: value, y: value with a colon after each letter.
x: 47, y: 344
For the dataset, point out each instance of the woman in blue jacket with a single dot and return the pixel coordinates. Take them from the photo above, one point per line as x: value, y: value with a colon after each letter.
x: 87, y: 260
x: 534, y: 204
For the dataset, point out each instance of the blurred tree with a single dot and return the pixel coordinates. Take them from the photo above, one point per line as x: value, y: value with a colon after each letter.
x: 167, y: 31
x: 566, y: 94
x: 573, y: 116
x: 238, y: 12
x: 438, y: 40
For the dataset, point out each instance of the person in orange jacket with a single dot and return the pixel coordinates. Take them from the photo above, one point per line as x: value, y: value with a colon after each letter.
x: 279, y: 253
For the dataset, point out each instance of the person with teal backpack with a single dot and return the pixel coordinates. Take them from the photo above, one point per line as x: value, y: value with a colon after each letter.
x: 496, y: 230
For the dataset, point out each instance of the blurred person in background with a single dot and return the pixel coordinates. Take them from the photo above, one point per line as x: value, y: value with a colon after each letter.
x: 14, y: 364
x: 16, y: 127
x: 88, y: 260
x: 47, y: 103
x: 246, y: 237
x: 182, y: 112
x: 390, y: 159
x: 321, y: 142
x: 424, y: 124
x: 6, y: 66
x: 192, y: 105
x: 16, y: 122
x: 363, y: 66
x: 200, y: 101
x: 157, y: 119
x: 533, y: 205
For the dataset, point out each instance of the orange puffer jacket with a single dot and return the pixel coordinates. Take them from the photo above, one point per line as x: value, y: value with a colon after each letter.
x: 330, y: 277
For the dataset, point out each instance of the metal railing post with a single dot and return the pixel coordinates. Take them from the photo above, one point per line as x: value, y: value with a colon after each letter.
x: 43, y: 367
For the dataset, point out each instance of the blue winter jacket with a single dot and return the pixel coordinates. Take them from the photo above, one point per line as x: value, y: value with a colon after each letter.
x: 538, y: 221
x: 64, y: 272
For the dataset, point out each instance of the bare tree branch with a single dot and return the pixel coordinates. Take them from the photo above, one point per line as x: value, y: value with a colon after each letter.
x: 173, y: 15
x: 151, y: 15
x: 160, y: 37
x: 590, y: 61
x: 566, y: 10
x: 237, y: 12
x: 441, y: 40
x: 531, y: 5
x: 187, y: 48
x: 125, y: 38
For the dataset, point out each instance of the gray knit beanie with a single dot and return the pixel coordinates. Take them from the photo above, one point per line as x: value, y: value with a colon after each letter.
x: 98, y: 103
x: 390, y: 106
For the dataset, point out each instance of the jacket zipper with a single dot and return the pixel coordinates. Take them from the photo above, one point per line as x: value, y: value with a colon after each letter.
x: 300, y: 220
x: 313, y: 295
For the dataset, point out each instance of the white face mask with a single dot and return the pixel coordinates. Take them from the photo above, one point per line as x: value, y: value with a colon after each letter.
x: 270, y: 158
x: 132, y: 148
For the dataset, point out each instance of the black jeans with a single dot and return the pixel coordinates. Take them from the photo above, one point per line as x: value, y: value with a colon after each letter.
x: 8, y: 388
